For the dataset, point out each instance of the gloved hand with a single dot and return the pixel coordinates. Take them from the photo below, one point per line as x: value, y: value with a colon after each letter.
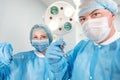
x: 6, y: 52
x: 55, y: 51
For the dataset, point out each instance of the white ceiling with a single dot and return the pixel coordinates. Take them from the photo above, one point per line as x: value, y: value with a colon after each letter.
x: 49, y: 2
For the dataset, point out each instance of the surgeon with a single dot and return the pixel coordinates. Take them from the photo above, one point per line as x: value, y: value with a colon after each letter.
x: 6, y: 52
x: 94, y: 58
x: 30, y: 65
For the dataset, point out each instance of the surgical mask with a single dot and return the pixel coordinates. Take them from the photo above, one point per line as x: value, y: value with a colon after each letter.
x: 40, y: 45
x: 96, y: 29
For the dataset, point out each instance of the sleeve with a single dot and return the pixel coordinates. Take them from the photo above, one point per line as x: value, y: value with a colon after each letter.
x: 5, y: 60
x: 4, y: 72
x: 6, y: 53
x: 62, y: 69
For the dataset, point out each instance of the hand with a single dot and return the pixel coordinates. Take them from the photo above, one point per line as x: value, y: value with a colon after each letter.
x: 55, y: 51
x: 6, y: 52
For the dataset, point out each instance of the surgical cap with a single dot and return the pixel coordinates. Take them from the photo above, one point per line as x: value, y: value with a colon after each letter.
x: 41, y: 27
x: 90, y: 5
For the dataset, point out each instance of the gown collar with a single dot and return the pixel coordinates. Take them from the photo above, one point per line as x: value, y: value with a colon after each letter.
x: 39, y: 54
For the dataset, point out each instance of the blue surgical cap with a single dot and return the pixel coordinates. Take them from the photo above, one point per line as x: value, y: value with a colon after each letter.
x: 41, y: 27
x: 90, y: 5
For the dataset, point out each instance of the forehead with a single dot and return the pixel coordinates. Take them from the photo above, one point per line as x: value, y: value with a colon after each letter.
x: 103, y: 11
x: 41, y: 32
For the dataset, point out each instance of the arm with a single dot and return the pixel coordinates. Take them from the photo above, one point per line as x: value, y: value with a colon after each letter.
x: 5, y: 59
x: 61, y: 66
x: 56, y: 61
x: 4, y: 72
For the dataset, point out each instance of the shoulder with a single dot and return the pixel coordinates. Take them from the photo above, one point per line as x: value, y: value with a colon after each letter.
x: 78, y: 47
x: 22, y: 55
x: 82, y: 43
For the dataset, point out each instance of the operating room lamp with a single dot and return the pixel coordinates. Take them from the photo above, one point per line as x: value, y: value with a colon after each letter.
x: 59, y: 18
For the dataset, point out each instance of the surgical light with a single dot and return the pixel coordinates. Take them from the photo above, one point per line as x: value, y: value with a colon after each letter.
x: 59, y: 18
x: 67, y: 26
x: 68, y: 12
x: 54, y: 25
x: 54, y: 10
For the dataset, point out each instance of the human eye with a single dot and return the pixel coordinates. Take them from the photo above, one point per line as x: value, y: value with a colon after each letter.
x: 96, y: 15
x: 34, y: 37
x: 44, y: 37
x: 82, y: 19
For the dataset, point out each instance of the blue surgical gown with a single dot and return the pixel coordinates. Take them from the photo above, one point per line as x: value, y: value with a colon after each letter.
x: 28, y: 66
x: 89, y: 61
x: 4, y: 72
x: 5, y: 58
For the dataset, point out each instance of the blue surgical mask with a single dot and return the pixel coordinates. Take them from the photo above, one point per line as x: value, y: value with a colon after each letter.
x: 40, y: 45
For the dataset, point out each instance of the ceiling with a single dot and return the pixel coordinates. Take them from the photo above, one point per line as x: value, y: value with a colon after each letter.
x: 49, y: 2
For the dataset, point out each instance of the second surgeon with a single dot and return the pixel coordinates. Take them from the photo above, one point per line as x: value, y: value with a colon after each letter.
x: 31, y: 65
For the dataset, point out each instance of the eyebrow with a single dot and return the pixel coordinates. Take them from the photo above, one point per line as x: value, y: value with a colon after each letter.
x: 90, y: 13
x: 93, y: 11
